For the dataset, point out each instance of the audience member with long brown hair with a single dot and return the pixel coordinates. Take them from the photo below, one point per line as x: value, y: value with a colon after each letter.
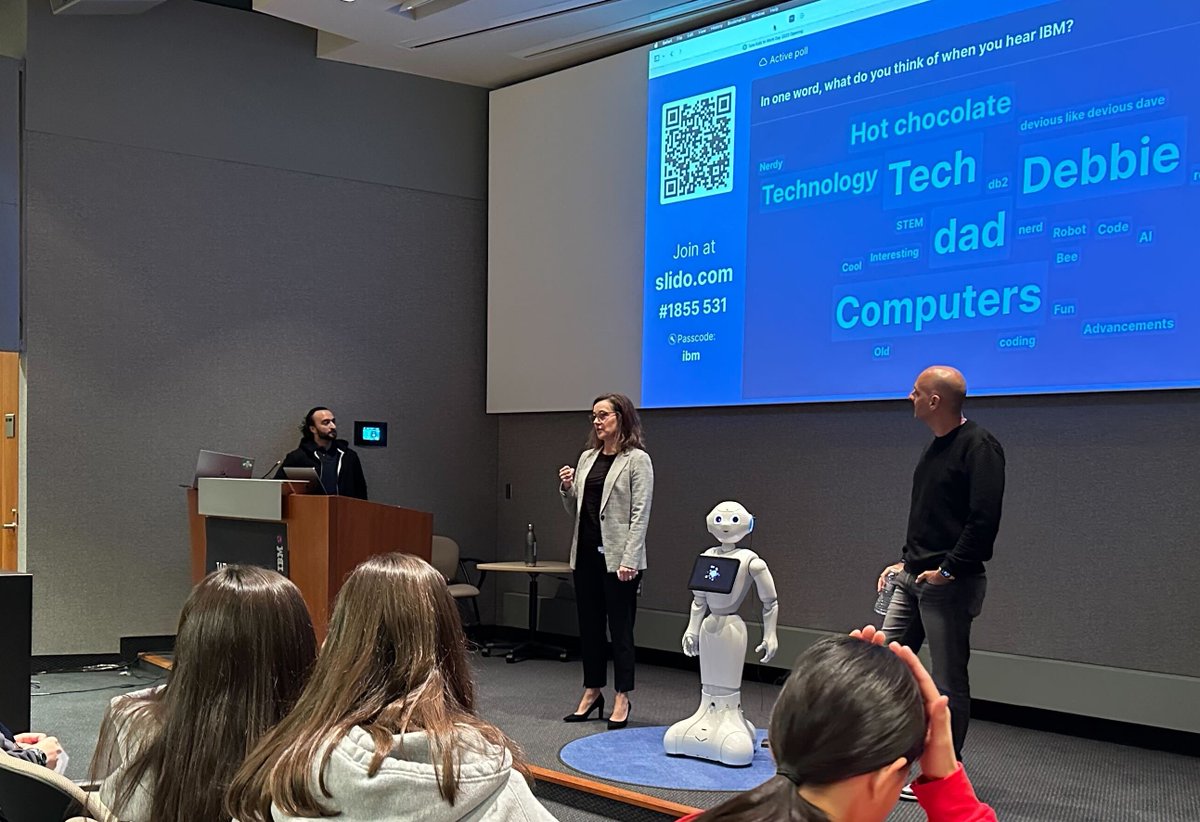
x: 387, y: 728
x: 243, y: 651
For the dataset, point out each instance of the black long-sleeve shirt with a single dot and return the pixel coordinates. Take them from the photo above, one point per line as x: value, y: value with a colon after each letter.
x: 958, y: 488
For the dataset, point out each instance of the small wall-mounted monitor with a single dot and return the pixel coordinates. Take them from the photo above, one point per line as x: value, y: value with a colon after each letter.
x: 370, y: 434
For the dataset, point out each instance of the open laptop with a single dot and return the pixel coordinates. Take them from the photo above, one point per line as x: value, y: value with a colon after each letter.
x: 216, y: 464
x: 307, y: 474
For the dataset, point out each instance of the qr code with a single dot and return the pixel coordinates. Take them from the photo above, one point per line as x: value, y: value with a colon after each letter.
x: 697, y: 146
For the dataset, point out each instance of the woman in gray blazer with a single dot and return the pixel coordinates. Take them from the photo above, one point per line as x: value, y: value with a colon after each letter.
x: 609, y: 495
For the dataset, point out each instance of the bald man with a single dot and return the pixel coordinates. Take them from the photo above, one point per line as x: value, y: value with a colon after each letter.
x: 957, y: 492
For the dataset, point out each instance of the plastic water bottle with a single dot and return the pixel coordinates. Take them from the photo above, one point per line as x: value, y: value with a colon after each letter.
x: 530, y: 546
x: 885, y: 596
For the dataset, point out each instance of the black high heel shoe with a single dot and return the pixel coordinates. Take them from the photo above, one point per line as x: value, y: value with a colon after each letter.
x: 597, y: 706
x: 614, y: 725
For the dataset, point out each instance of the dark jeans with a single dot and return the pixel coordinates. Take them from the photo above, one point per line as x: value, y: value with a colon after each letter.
x: 943, y: 615
x: 605, y: 602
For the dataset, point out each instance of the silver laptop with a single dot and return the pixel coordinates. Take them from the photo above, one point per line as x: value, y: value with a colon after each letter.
x: 306, y: 474
x: 216, y: 464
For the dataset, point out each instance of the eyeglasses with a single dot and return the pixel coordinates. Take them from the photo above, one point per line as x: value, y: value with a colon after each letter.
x: 602, y: 416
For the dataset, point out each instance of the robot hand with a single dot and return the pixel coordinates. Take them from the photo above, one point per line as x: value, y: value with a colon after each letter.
x: 767, y: 648
x: 691, y: 644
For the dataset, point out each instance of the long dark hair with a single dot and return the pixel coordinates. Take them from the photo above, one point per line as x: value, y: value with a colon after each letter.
x: 848, y: 708
x: 629, y: 434
x: 243, y: 652
x: 395, y: 661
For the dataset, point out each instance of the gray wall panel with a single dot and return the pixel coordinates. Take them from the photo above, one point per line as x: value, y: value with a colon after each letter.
x: 10, y: 277
x: 12, y: 28
x: 1095, y: 560
x: 10, y: 212
x: 178, y: 303
x: 1121, y: 694
x: 201, y: 267
x: 10, y: 130
x: 199, y: 79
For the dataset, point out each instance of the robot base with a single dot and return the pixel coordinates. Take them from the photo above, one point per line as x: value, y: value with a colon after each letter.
x: 717, y: 731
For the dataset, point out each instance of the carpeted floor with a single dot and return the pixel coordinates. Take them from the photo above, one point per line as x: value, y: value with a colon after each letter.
x: 71, y: 706
x: 1026, y: 775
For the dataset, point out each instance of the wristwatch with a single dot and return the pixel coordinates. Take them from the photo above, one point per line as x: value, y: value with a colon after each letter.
x: 945, y: 574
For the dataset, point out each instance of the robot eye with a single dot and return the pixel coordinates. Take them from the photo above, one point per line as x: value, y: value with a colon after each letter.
x: 718, y: 519
x: 735, y: 519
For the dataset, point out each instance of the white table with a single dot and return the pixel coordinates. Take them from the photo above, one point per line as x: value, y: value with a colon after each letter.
x: 532, y: 647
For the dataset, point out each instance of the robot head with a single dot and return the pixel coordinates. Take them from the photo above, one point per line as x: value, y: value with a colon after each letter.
x: 729, y: 522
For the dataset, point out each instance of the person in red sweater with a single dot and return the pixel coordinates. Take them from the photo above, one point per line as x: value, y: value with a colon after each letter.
x: 853, y: 717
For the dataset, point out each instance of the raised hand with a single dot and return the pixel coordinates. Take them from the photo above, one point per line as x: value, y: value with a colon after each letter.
x: 869, y: 633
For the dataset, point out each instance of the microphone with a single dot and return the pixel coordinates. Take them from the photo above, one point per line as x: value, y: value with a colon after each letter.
x: 271, y: 470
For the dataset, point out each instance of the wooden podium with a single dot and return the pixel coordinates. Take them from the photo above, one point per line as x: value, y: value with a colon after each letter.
x: 326, y: 538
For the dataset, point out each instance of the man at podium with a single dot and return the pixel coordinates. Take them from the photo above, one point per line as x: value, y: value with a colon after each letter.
x: 337, y: 467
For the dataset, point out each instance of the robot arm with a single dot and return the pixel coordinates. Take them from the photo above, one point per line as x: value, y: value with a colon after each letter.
x: 770, y: 602
x: 691, y: 637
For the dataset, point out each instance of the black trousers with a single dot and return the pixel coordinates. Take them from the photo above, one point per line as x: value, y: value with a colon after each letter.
x: 941, y: 614
x: 605, y: 602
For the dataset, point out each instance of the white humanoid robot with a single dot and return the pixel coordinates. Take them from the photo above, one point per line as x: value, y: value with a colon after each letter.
x: 720, y: 583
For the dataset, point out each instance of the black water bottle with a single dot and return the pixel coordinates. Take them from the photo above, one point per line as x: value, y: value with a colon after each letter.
x: 530, y: 546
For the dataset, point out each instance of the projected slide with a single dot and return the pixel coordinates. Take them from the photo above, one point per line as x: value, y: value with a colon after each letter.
x: 841, y: 193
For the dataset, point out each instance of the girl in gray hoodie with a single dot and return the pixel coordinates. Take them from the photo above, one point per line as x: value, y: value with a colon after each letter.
x: 386, y: 728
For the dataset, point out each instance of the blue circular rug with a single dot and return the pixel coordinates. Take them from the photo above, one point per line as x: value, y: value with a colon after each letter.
x: 636, y: 756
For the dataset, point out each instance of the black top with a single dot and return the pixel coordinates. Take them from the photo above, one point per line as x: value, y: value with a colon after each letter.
x: 328, y: 458
x: 957, y: 492
x: 589, y: 512
x: 341, y: 472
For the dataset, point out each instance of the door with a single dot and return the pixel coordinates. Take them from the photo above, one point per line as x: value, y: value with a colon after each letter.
x: 10, y: 370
